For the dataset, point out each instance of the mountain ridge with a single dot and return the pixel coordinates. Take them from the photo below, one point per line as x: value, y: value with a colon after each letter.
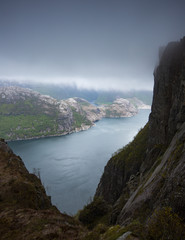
x: 26, y: 114
x: 62, y: 91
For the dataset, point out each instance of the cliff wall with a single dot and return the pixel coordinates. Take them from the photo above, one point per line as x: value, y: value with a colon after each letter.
x: 149, y: 173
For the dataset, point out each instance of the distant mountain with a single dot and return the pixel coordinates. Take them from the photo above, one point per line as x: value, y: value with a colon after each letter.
x: 61, y: 91
x: 26, y: 114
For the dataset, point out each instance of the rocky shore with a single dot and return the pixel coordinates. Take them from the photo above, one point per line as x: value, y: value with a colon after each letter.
x: 26, y: 114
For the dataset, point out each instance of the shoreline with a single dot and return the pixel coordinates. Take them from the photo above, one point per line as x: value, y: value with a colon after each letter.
x: 55, y: 135
x: 83, y: 128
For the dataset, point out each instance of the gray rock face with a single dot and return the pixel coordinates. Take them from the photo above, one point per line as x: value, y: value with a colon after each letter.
x: 124, y: 236
x: 119, y: 108
x: 160, y: 180
x: 166, y: 185
x: 168, y: 107
x: 112, y: 183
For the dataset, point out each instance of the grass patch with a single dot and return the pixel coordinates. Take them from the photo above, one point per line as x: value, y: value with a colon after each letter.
x: 26, y: 126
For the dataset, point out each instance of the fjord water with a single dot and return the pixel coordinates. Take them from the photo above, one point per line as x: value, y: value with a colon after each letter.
x: 71, y: 165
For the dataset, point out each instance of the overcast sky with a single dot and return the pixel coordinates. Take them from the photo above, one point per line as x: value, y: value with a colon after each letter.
x: 93, y: 43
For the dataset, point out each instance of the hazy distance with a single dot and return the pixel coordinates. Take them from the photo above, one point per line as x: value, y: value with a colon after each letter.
x: 98, y: 44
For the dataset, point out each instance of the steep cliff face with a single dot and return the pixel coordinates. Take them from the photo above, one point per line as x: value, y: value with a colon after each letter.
x: 155, y: 175
x: 25, y: 209
x: 168, y: 109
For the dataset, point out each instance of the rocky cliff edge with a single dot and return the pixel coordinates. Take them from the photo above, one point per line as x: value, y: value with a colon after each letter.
x: 26, y: 211
x: 144, y: 183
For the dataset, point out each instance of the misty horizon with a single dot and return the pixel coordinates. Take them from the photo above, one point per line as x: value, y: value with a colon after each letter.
x: 27, y: 83
x: 91, y: 45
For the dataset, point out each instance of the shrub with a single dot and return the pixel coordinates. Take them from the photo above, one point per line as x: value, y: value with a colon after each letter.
x: 93, y: 211
x: 165, y: 224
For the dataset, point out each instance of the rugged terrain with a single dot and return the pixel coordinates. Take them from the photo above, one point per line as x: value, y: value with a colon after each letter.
x: 25, y: 210
x: 144, y: 183
x: 142, y: 190
x: 26, y: 114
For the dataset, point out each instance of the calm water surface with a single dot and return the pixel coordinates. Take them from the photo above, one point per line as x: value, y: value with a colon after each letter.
x: 71, y: 165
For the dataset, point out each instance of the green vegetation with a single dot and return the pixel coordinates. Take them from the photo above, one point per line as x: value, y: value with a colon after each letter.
x: 30, y: 106
x: 26, y: 126
x: 132, y: 155
x: 79, y: 119
x: 102, y: 232
x: 83, y: 103
x: 110, y: 113
x: 114, y: 232
x: 129, y: 160
x: 94, y: 212
x: 33, y: 118
x: 165, y: 224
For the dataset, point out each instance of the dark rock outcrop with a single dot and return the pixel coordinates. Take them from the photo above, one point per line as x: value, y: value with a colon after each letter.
x: 168, y: 107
